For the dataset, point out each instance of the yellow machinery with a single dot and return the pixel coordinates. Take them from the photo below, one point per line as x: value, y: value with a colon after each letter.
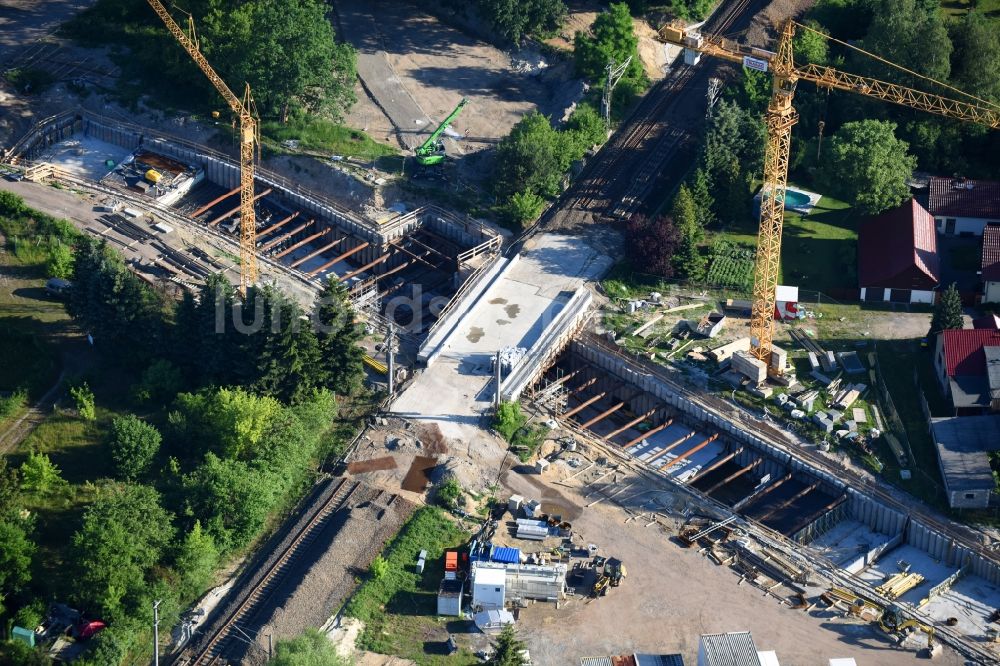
x: 781, y: 116
x: 893, y: 622
x: 249, y: 142
x: 890, y: 620
x: 611, y: 576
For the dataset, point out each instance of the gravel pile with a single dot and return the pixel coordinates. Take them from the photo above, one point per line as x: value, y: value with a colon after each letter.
x: 316, y: 587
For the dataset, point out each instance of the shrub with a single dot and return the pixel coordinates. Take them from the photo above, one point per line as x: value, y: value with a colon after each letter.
x: 9, y: 405
x: 84, y: 399
x: 39, y: 474
x: 448, y: 494
x: 133, y: 443
x: 379, y: 568
x: 523, y: 207
x: 508, y: 419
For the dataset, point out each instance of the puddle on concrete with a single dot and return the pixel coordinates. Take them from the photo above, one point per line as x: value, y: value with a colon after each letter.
x: 513, y: 310
x: 502, y: 322
x: 416, y: 478
x: 475, y: 334
x: 498, y: 301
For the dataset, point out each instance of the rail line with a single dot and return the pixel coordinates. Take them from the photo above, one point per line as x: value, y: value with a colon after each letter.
x: 215, y: 648
x: 612, y: 174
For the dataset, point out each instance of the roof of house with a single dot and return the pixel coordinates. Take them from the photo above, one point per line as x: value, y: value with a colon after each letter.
x: 731, y: 649
x: 962, y: 443
x: 964, y: 197
x: 990, y: 321
x: 963, y: 350
x: 991, y: 253
x: 636, y: 659
x: 898, y: 249
x: 969, y: 391
x: 993, y: 371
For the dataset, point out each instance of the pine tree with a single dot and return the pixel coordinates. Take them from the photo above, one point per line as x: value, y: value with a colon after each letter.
x: 948, y: 311
x: 685, y: 214
x: 341, y: 358
x: 288, y: 364
x: 689, y: 262
x: 701, y: 190
x: 508, y: 649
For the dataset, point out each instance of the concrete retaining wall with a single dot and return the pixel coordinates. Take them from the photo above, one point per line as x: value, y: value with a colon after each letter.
x: 549, y: 345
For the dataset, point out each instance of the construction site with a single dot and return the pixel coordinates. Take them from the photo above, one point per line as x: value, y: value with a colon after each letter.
x: 654, y: 511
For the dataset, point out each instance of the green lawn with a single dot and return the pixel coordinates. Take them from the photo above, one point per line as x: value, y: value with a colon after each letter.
x: 819, y: 250
x: 317, y: 134
x: 399, y: 609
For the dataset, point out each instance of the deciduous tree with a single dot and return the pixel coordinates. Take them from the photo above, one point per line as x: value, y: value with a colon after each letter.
x: 514, y: 19
x: 868, y: 166
x: 310, y: 649
x: 133, y: 444
x: 530, y: 159
x: 612, y: 37
x: 651, y: 244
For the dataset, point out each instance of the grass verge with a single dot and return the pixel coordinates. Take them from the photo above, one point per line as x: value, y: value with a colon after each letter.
x: 399, y: 607
x: 322, y: 135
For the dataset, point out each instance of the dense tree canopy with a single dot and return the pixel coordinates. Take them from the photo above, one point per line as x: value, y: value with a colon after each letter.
x: 123, y: 536
x: 651, y: 244
x: 732, y: 158
x: 529, y: 159
x: 514, y: 19
x: 285, y: 50
x: 911, y: 33
x: 868, y: 166
x: 612, y: 37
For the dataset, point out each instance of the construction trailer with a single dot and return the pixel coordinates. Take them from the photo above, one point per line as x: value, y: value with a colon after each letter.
x: 536, y: 582
x: 489, y: 585
x: 449, y: 599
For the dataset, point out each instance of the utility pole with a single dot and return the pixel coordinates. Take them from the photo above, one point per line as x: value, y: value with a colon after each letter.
x: 714, y: 88
x: 156, y: 633
x: 819, y: 143
x: 496, y: 370
x: 390, y: 355
x: 614, y: 75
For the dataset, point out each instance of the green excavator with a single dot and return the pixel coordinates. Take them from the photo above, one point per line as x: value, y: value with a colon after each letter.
x: 431, y: 151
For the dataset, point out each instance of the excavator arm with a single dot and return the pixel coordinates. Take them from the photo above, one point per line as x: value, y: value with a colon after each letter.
x: 429, y: 147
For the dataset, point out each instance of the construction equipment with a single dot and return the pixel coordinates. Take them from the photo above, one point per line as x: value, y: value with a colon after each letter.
x: 780, y: 118
x: 431, y: 151
x: 249, y: 142
x: 891, y: 619
x: 899, y: 584
x: 611, y: 576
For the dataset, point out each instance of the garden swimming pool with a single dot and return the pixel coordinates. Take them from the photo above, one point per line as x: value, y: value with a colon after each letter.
x: 800, y: 201
x: 795, y: 199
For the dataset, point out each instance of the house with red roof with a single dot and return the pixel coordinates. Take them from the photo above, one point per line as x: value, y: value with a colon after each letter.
x: 968, y: 367
x: 962, y: 205
x: 898, y: 257
x: 989, y: 270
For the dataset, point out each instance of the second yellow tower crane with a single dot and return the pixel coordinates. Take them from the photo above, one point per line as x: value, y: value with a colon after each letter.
x: 780, y: 118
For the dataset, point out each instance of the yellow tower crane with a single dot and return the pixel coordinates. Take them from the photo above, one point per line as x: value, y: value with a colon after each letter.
x: 248, y: 143
x: 781, y: 116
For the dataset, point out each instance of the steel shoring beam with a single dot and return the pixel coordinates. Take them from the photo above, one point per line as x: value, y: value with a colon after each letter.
x: 284, y: 237
x: 299, y: 262
x: 738, y: 473
x: 237, y: 209
x: 630, y: 424
x: 348, y: 276
x: 563, y: 379
x: 586, y: 384
x: 435, y: 251
x: 829, y: 507
x: 651, y: 431
x: 694, y: 449
x: 788, y: 502
x: 751, y: 498
x: 277, y: 225
x: 353, y: 250
x: 427, y: 236
x: 673, y: 445
x: 716, y: 465
x: 307, y: 239
x: 583, y: 405
x: 405, y: 264
x: 690, y: 452
x: 214, y: 201
x: 603, y: 415
x: 419, y: 257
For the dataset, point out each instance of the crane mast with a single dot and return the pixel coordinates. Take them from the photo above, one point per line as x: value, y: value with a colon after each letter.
x: 780, y: 118
x: 248, y: 143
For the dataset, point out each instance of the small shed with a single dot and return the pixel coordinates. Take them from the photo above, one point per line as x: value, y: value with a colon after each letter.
x: 540, y: 465
x: 492, y: 621
x: 26, y: 636
x: 505, y: 555
x: 786, y: 302
x: 450, y: 598
x: 489, y: 585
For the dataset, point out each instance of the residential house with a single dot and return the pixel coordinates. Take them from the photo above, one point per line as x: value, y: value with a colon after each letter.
x: 962, y: 205
x: 990, y: 266
x: 897, y: 256
x: 968, y: 368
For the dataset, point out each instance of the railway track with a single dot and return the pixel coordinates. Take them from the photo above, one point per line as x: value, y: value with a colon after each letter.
x: 213, y: 650
x: 617, y: 181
